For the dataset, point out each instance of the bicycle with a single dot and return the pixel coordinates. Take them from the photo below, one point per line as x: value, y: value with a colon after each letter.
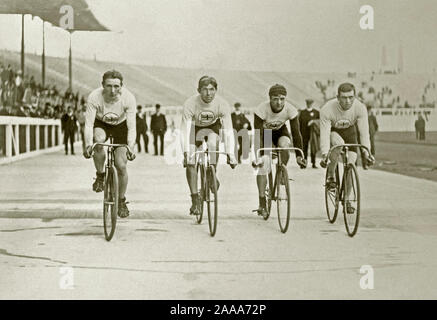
x: 274, y: 192
x: 110, y: 195
x: 207, y: 187
x: 334, y: 196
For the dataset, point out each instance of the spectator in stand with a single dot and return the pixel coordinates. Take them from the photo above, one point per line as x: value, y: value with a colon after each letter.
x: 69, y: 128
x: 19, y: 88
x: 142, y: 129
x: 158, y: 126
x: 5, y: 111
x: 4, y: 75
x: 239, y: 123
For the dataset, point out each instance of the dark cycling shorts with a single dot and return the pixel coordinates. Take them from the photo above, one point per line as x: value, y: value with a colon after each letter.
x: 118, y: 132
x: 276, y: 134
x: 349, y: 135
x: 215, y: 127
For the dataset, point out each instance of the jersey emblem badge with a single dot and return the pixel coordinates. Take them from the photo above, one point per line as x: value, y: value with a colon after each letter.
x: 206, y: 117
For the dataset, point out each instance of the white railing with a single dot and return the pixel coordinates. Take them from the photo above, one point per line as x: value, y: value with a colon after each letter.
x: 36, y: 135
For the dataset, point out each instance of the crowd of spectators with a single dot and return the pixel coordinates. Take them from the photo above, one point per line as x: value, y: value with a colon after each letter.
x: 25, y: 97
x: 380, y: 97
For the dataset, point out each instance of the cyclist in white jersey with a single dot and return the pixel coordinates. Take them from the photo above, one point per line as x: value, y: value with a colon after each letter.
x: 111, y: 111
x: 338, y: 118
x: 203, y: 116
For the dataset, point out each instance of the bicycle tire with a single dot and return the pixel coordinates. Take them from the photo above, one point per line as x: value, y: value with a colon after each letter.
x: 282, y: 175
x: 202, y: 198
x: 352, y: 228
x: 331, y: 198
x: 212, y: 192
x: 269, y: 194
x: 110, y: 202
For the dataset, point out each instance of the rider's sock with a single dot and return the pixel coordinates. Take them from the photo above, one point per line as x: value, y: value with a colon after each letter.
x: 262, y: 202
x: 100, y: 174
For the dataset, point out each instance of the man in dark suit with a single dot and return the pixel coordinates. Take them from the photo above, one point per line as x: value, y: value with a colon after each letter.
x: 158, y: 126
x: 142, y: 130
x: 69, y: 127
x: 307, y: 119
x: 242, y: 126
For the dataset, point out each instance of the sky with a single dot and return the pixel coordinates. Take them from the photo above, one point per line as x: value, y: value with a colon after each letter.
x: 258, y: 35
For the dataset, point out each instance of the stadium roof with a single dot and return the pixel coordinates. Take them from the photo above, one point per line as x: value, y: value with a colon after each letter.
x: 49, y: 11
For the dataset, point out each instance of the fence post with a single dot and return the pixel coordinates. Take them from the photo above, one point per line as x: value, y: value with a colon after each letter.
x: 53, y: 136
x: 17, y: 139
x: 46, y: 136
x: 59, y: 135
x: 27, y: 137
x: 8, y: 140
x: 36, y: 137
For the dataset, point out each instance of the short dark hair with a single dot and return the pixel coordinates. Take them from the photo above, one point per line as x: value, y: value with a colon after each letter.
x: 139, y: 106
x: 207, y: 80
x: 112, y: 74
x: 157, y: 106
x: 277, y: 89
x: 237, y: 104
x: 346, y: 87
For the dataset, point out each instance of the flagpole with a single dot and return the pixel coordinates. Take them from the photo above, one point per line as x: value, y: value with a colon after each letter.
x: 43, y: 57
x: 22, y: 45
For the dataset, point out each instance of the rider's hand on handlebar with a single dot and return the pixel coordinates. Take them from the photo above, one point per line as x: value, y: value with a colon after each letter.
x: 301, y: 162
x: 130, y: 155
x: 370, y: 160
x: 324, y: 161
x: 88, y: 152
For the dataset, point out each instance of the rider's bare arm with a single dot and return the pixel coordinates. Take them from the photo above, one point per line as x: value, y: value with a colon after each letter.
x: 228, y: 129
x: 325, y: 132
x: 131, y: 122
x: 363, y: 126
x: 295, y: 133
x: 90, y: 116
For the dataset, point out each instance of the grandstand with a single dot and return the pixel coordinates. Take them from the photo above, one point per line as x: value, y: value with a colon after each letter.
x: 171, y: 86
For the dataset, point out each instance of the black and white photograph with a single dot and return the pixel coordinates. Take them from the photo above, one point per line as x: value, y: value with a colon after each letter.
x: 218, y: 150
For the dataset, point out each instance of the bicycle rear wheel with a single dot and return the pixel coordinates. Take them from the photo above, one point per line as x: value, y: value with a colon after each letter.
x: 351, y: 195
x: 283, y: 198
x: 332, y: 197
x: 110, y: 202
x: 269, y: 194
x: 212, y: 201
x: 201, y: 181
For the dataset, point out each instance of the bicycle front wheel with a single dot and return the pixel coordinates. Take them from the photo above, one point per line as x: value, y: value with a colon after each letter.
x: 269, y: 194
x: 351, y: 205
x: 110, y: 202
x: 201, y: 183
x: 332, y: 197
x: 212, y: 201
x: 283, y: 198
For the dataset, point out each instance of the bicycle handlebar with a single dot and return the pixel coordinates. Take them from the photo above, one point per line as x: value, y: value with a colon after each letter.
x: 228, y: 159
x: 112, y: 145
x: 324, y: 161
x: 258, y: 153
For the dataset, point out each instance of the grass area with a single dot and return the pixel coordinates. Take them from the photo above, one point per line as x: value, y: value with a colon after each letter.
x: 400, y: 152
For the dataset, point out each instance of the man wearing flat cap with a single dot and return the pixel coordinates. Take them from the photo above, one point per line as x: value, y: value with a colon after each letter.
x: 309, y: 129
